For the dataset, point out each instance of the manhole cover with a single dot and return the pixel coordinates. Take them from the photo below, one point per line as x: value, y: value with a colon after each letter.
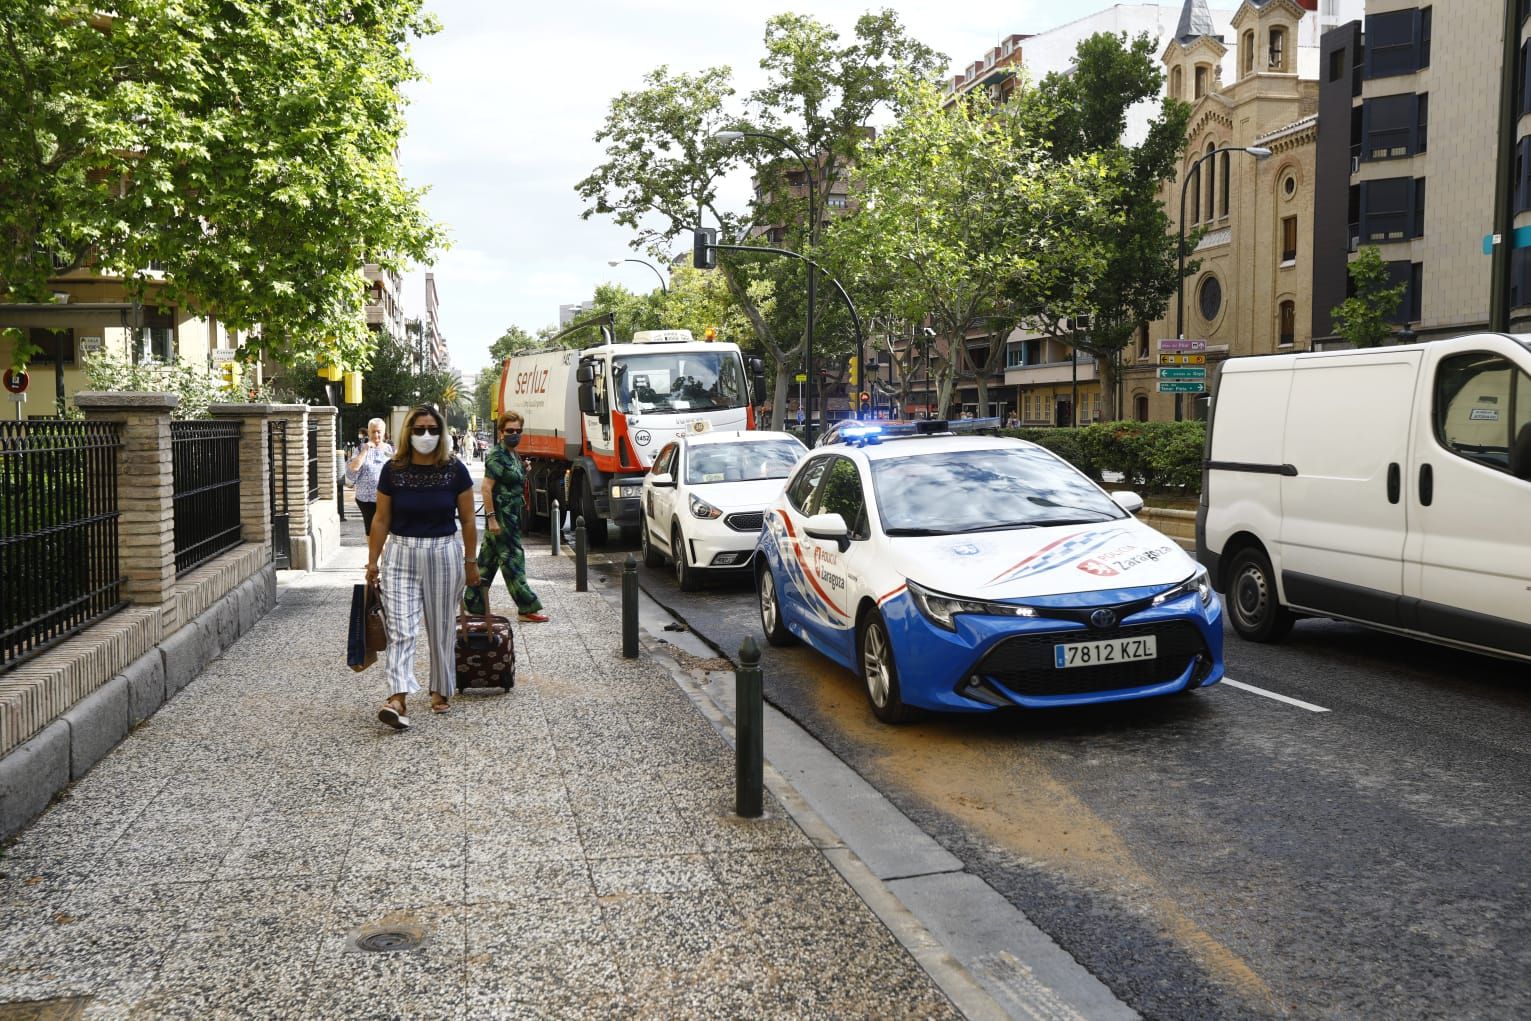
x: 387, y: 939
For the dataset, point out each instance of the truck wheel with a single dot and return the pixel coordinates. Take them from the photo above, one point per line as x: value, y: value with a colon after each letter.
x: 1253, y: 605
x: 595, y: 525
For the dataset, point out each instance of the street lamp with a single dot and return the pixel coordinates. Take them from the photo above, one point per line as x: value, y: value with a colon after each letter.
x: 813, y: 240
x: 1259, y: 152
x: 642, y: 262
x: 927, y: 333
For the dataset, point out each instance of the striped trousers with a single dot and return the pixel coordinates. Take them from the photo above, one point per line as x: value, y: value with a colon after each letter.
x: 422, y: 576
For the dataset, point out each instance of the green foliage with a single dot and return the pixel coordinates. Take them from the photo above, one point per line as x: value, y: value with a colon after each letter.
x: 1363, y: 319
x: 1084, y: 112
x: 391, y: 382
x: 110, y: 371
x: 248, y: 149
x: 1158, y: 456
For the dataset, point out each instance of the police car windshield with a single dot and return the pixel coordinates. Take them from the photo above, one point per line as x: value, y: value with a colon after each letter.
x: 960, y: 491
x: 675, y: 381
x: 741, y: 462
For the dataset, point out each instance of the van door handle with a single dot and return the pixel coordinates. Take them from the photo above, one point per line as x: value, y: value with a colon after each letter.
x: 1394, y: 481
x: 1426, y: 485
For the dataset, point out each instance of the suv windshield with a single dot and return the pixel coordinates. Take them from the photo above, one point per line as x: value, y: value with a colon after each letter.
x: 741, y: 462
x: 670, y: 381
x: 984, y: 490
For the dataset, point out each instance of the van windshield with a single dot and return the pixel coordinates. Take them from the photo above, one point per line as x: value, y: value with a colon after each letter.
x: 671, y: 381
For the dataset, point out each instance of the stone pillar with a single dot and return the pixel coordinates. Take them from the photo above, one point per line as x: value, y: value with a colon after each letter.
x: 145, y: 495
x: 254, y: 468
x: 296, y: 418
x: 324, y: 513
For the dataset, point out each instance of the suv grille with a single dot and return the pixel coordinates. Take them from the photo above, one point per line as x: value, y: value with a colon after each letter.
x: 745, y: 521
x: 1024, y: 663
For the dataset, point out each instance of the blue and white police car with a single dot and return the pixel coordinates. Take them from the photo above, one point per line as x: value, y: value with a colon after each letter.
x: 967, y: 573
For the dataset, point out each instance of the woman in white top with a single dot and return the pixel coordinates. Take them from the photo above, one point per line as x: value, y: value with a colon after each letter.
x: 362, y: 471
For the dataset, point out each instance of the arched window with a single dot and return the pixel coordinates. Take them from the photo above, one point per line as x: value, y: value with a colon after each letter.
x: 1277, y: 56
x: 1224, y: 162
x: 1247, y: 50
x: 1176, y: 85
x: 1201, y: 80
x: 1211, y: 166
x: 1288, y: 319
x: 1140, y: 407
x: 1196, y: 195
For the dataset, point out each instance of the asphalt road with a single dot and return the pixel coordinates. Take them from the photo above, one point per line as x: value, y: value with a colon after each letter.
x: 1228, y: 855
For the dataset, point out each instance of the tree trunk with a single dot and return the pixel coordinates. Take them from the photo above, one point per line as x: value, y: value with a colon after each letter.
x: 779, y: 397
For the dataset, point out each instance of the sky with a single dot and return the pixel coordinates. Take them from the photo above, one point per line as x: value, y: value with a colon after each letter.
x: 503, y: 127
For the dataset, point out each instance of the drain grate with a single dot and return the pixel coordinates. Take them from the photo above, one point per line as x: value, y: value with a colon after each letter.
x: 387, y: 939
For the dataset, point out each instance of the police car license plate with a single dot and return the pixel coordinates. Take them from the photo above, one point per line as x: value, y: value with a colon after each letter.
x: 1117, y: 650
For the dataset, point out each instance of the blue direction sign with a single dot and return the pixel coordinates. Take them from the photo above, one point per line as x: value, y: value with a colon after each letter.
x: 1180, y: 387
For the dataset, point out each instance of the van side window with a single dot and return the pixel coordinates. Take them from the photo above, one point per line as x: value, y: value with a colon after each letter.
x: 1482, y: 404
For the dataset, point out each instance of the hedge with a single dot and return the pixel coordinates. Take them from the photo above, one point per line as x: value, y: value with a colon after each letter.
x: 1158, y: 456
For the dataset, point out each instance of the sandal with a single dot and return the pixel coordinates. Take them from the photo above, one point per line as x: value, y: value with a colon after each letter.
x: 393, y: 715
x: 439, y: 703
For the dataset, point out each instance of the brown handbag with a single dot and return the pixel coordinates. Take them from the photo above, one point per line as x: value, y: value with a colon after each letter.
x: 369, y: 629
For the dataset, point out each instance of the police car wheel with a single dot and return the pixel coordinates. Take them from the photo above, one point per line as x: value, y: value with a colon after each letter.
x: 880, y: 673
x: 770, y: 611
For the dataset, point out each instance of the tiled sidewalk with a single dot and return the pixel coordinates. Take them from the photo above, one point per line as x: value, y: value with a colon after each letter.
x: 568, y: 850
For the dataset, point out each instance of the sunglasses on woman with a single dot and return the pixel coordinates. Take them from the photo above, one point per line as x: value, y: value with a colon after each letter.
x: 422, y: 430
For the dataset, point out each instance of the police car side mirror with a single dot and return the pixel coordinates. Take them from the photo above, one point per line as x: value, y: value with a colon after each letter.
x: 664, y: 480
x: 830, y: 527
x: 1129, y: 502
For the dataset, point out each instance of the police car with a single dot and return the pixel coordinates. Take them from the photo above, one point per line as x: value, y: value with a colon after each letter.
x: 969, y: 573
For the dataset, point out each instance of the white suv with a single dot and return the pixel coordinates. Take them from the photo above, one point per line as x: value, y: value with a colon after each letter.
x: 704, y: 500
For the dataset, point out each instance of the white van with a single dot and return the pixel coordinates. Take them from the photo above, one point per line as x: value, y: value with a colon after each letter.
x: 1388, y: 486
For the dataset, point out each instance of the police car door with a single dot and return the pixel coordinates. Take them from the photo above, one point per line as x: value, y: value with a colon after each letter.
x: 830, y: 569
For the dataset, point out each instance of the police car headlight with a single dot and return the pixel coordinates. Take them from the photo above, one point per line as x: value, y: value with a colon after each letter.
x: 1200, y: 583
x: 941, y: 609
x: 702, y: 509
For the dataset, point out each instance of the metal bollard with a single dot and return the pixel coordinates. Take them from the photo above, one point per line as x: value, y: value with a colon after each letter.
x: 749, y: 745
x: 630, y: 608
x: 557, y: 521
x: 579, y: 555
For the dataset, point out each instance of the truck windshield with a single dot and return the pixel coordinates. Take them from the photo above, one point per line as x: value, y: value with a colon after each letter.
x: 670, y: 381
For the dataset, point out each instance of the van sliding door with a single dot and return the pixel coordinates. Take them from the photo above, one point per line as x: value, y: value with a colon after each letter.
x: 1343, y: 516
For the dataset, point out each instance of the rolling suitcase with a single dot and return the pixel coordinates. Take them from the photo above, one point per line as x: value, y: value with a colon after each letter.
x: 486, y: 649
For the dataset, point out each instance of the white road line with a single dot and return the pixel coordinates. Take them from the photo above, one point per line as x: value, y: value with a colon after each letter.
x: 1299, y: 703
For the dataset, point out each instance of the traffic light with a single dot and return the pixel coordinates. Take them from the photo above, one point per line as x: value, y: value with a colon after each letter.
x: 855, y: 367
x: 703, y: 255
x: 866, y: 398
x: 230, y: 372
x: 352, y: 387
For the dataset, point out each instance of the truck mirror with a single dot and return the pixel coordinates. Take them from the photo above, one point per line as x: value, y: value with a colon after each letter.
x: 586, y: 397
x: 585, y: 373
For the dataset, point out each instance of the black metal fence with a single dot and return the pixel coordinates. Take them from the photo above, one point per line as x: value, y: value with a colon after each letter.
x: 276, y: 485
x: 205, y: 460
x: 313, y: 460
x: 59, y: 565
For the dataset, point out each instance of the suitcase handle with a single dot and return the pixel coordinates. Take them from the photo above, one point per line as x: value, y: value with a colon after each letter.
x: 462, y: 606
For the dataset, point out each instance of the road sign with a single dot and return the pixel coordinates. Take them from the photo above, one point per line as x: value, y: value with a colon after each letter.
x: 1182, y: 345
x: 90, y: 345
x: 16, y: 381
x: 17, y: 399
x: 1182, y: 373
x: 1178, y: 387
x: 801, y: 377
x: 1182, y: 359
x: 223, y: 354
x: 801, y: 418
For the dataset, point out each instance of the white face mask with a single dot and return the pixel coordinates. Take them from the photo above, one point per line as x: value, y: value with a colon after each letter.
x: 424, y: 444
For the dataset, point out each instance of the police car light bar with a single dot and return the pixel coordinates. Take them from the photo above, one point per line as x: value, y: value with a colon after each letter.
x: 861, y: 435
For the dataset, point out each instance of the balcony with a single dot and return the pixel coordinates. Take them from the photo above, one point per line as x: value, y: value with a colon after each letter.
x: 1050, y: 372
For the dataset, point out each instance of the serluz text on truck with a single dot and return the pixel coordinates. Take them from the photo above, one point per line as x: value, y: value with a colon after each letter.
x: 596, y: 418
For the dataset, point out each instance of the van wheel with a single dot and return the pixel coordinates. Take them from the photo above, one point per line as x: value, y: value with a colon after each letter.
x: 1253, y: 605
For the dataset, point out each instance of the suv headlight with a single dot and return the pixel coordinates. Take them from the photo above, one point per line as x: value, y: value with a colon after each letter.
x: 702, y: 509
x: 1199, y: 583
x: 941, y: 609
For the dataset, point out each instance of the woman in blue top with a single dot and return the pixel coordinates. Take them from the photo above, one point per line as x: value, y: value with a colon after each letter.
x: 362, y: 471
x: 422, y: 495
